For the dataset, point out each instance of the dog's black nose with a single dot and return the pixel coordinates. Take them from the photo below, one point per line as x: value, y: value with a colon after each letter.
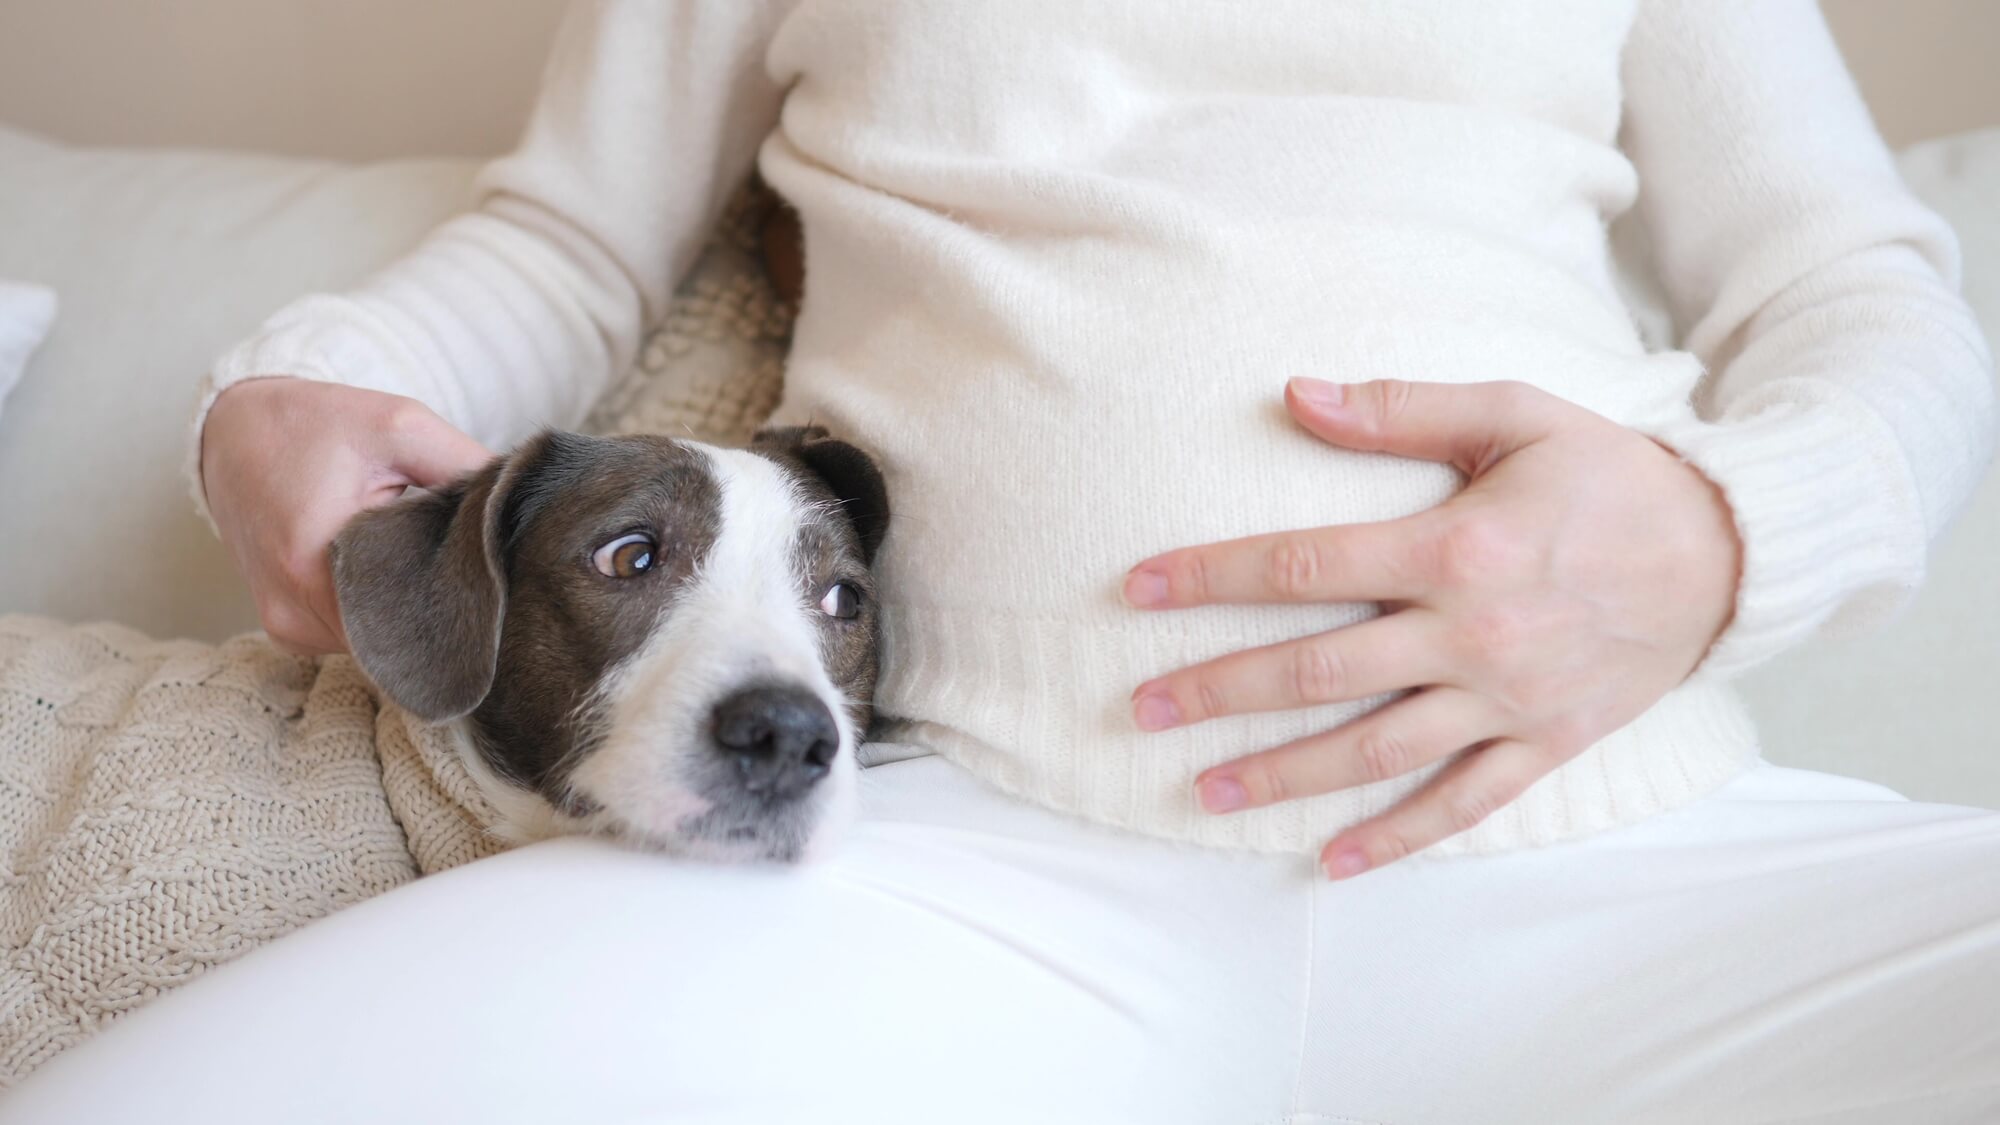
x: 782, y: 738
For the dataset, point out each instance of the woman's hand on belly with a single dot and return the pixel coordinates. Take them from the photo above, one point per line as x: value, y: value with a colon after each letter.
x: 1581, y: 574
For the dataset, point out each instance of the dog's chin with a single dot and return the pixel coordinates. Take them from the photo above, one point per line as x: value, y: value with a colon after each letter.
x: 730, y: 830
x: 695, y: 809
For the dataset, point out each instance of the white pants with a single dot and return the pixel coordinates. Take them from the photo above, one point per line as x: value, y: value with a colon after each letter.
x: 1797, y: 947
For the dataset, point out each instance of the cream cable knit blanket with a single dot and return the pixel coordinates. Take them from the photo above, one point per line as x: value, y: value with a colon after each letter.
x: 168, y: 806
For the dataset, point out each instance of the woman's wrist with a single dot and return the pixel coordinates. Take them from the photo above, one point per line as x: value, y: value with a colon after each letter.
x: 1815, y: 492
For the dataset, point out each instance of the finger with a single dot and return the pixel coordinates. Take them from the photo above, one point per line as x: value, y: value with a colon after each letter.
x: 1462, y: 795
x: 1357, y: 562
x: 1407, y: 735
x: 1402, y: 650
x: 428, y: 450
x: 1467, y: 425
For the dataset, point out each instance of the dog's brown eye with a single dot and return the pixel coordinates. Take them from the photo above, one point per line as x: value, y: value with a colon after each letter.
x: 627, y: 556
x: 841, y: 600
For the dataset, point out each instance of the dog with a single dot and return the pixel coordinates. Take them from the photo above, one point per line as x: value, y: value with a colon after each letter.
x: 663, y: 642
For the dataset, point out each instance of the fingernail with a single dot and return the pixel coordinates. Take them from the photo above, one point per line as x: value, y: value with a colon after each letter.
x: 1320, y: 393
x: 1157, y: 712
x: 1222, y: 794
x: 1145, y: 588
x: 1346, y: 863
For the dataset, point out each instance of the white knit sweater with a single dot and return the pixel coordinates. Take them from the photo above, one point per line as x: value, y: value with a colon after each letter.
x: 1063, y: 255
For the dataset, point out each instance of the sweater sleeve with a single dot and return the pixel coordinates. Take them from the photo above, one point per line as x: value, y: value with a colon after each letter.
x: 516, y: 314
x: 1848, y: 408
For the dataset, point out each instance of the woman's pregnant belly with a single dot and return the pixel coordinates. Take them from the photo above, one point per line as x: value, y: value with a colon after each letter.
x: 1051, y: 411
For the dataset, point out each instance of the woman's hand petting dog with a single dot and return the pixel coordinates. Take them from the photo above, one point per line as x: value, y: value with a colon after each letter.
x: 285, y: 463
x: 1581, y: 574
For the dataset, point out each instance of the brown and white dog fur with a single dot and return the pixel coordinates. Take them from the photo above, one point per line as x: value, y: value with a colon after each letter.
x: 662, y: 641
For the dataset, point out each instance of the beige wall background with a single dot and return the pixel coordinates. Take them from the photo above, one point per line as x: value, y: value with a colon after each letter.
x: 363, y: 79
x: 355, y: 79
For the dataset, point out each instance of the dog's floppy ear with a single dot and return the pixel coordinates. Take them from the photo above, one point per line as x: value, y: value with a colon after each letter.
x: 422, y: 585
x: 847, y: 472
x: 421, y: 595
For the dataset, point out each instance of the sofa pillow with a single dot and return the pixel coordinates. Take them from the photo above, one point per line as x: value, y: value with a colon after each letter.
x: 166, y: 257
x: 162, y: 258
x: 26, y: 312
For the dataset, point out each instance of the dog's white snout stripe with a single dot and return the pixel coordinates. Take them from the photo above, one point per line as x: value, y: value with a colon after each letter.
x: 742, y: 621
x: 751, y: 572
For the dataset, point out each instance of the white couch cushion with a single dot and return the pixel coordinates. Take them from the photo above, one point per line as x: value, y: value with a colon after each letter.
x: 160, y: 259
x: 26, y: 311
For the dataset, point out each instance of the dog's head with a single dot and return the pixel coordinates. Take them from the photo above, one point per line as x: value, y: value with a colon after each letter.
x: 668, y: 642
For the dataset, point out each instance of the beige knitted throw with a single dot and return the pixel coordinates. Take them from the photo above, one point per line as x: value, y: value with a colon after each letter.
x: 169, y: 806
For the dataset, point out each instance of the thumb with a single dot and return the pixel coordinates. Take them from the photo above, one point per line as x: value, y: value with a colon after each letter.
x: 1471, y: 426
x: 436, y: 453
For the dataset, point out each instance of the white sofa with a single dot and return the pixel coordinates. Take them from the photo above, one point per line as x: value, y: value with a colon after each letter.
x: 162, y: 257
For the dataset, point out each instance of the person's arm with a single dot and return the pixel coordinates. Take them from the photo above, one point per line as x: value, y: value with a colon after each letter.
x: 516, y: 314
x: 1849, y: 407
x: 511, y: 317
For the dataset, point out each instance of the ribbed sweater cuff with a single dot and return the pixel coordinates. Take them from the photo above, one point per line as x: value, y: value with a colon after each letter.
x: 1827, y: 513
